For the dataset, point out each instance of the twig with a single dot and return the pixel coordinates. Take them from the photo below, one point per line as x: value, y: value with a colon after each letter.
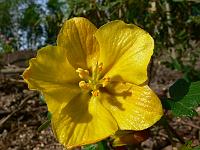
x: 16, y: 80
x: 12, y: 70
x: 190, y: 124
x: 3, y: 120
x: 164, y: 135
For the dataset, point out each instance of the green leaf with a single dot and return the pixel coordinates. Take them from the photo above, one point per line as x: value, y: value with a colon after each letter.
x: 176, y: 64
x: 184, y: 104
x: 90, y: 147
x: 49, y: 115
x: 179, y: 89
x: 44, y: 125
x: 42, y: 99
x: 196, y: 148
x: 102, y: 145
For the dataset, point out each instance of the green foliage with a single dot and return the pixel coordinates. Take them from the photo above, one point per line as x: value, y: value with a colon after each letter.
x: 49, y: 115
x: 47, y: 123
x: 179, y: 89
x: 29, y: 24
x: 185, y: 97
x: 90, y: 147
x: 42, y: 99
x: 53, y: 20
x: 5, y: 17
x: 171, y: 29
x: 188, y: 146
x: 28, y: 21
x: 102, y: 145
x: 44, y: 125
x: 5, y: 46
x: 32, y: 25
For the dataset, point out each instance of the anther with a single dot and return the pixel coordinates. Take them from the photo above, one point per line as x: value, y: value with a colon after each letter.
x: 83, y: 74
x: 100, y: 67
x: 84, y: 85
x: 95, y: 93
x: 105, y: 81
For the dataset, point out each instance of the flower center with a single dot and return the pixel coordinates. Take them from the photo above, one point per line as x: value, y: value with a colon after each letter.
x: 92, y: 82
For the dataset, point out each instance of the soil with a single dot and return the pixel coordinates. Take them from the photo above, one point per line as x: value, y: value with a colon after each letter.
x: 22, y: 112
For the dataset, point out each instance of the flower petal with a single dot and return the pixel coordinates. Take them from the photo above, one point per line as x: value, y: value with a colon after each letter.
x: 83, y: 121
x: 125, y: 51
x: 50, y: 72
x: 58, y: 97
x: 134, y: 107
x: 77, y: 37
x: 49, y: 69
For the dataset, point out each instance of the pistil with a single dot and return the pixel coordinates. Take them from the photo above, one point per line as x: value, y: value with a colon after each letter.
x: 92, y: 83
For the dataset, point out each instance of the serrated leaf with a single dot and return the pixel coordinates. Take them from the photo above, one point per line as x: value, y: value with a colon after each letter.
x: 179, y: 109
x: 179, y: 89
x: 185, y: 106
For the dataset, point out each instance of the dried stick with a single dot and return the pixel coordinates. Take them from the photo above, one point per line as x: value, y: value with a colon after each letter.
x: 12, y: 70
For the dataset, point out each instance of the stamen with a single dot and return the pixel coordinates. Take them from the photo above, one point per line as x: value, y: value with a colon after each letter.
x: 95, y: 93
x: 83, y: 74
x: 95, y: 82
x: 105, y: 81
x: 100, y: 67
x: 84, y: 85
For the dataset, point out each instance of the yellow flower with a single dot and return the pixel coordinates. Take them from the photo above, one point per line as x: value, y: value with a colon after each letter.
x: 94, y: 81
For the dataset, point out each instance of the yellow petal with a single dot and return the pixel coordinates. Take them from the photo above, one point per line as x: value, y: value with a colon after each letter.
x: 125, y: 51
x: 83, y: 121
x: 134, y: 107
x: 51, y: 73
x: 77, y: 37
x: 50, y: 69
x: 58, y: 97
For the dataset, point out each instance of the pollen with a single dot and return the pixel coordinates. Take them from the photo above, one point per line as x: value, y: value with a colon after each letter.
x: 105, y: 81
x: 83, y: 74
x: 100, y: 67
x: 84, y: 85
x: 92, y: 82
x: 95, y: 93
